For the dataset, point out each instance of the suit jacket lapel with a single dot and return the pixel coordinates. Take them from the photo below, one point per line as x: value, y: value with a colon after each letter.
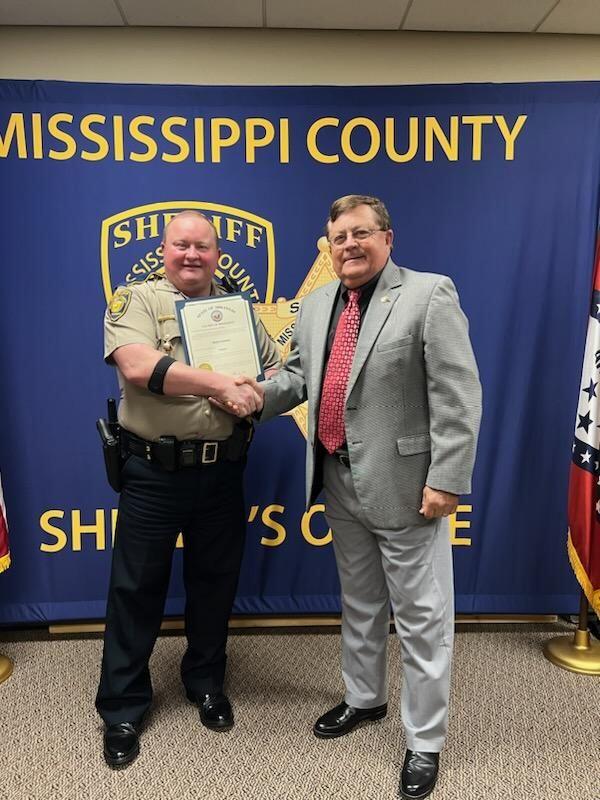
x: 321, y: 317
x: 384, y: 296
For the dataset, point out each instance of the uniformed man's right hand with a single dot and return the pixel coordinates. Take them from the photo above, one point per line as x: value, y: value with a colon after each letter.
x: 241, y: 396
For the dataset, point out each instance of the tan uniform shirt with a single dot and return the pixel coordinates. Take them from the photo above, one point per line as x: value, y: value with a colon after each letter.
x: 144, y: 313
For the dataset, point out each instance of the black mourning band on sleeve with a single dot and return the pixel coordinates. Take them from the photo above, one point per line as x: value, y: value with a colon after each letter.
x: 157, y: 379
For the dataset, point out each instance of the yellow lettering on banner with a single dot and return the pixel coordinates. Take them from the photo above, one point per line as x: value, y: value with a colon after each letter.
x: 121, y: 234
x: 61, y: 136
x: 306, y: 527
x: 114, y: 513
x: 253, y: 235
x: 510, y: 135
x: 284, y: 140
x: 36, y: 129
x: 199, y: 140
x: 143, y: 138
x: 118, y: 137
x: 459, y: 524
x: 142, y: 226
x: 167, y: 217
x: 218, y: 141
x: 253, y: 141
x: 477, y: 121
x: 225, y: 261
x: 151, y: 226
x: 167, y: 131
x: 373, y: 148
x: 94, y: 136
x: 433, y: 130
x: 52, y: 530
x: 390, y: 140
x: 152, y: 259
x: 311, y: 140
x: 216, y: 221
x: 233, y: 228
x: 15, y: 126
x: 269, y: 522
x: 97, y: 528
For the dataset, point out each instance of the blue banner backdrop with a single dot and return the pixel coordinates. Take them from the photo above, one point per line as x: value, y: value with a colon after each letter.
x: 494, y: 185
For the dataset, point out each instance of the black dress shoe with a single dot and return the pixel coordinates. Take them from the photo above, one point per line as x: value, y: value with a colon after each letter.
x: 215, y: 710
x: 343, y: 718
x: 419, y: 774
x: 121, y: 744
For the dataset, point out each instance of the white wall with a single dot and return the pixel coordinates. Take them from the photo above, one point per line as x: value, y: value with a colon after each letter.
x: 211, y: 56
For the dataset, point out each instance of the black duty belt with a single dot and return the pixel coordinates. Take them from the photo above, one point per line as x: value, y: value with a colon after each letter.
x: 173, y: 454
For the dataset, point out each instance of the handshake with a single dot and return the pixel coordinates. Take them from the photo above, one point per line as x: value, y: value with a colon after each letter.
x: 240, y: 395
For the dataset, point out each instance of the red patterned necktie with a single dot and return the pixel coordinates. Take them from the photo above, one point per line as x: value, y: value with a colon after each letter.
x: 332, y: 430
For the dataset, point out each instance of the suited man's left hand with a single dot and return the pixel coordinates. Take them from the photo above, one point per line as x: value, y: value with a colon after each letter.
x: 436, y: 503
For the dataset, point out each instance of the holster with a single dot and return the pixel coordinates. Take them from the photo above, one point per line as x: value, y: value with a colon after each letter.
x: 109, y: 431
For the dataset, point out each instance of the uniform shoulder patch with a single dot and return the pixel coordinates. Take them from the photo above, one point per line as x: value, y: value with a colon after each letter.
x: 119, y: 304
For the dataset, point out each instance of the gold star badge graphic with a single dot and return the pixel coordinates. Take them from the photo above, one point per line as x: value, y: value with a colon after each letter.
x: 279, y: 318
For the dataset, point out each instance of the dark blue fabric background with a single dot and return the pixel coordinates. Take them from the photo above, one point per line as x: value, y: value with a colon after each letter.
x: 516, y: 236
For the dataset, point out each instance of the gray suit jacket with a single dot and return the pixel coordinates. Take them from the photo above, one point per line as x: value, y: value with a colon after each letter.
x: 413, y: 404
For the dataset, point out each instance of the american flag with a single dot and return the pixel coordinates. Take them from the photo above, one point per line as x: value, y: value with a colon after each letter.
x: 4, y: 548
x: 584, y: 483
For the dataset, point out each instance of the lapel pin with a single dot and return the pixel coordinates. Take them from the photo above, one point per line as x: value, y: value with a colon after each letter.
x: 385, y: 299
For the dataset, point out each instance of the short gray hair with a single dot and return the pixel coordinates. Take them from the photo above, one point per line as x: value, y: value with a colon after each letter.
x: 351, y: 201
x: 191, y: 213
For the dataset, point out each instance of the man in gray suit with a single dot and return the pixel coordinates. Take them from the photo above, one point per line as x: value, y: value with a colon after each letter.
x: 383, y: 357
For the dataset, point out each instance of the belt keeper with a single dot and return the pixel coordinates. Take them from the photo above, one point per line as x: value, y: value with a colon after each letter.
x: 187, y: 456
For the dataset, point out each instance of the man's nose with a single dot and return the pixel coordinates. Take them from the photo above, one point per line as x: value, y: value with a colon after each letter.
x: 192, y: 252
x: 350, y: 240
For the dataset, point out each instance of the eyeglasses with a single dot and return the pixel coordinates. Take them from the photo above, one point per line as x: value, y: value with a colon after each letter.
x: 358, y: 234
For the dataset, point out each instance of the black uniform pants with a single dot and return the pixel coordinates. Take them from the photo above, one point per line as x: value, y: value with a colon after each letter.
x: 206, y: 504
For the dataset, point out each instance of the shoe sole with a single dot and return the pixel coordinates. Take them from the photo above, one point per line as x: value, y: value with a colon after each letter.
x: 336, y: 734
x: 119, y: 763
x: 421, y: 796
x: 218, y: 726
x: 416, y: 796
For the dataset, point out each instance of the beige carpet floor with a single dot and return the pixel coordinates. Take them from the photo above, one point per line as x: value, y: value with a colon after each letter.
x: 521, y: 729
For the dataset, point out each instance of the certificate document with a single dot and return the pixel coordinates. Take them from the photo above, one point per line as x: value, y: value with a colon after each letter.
x: 219, y: 334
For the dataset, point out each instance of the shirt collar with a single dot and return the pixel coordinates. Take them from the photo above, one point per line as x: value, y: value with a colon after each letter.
x: 366, y: 290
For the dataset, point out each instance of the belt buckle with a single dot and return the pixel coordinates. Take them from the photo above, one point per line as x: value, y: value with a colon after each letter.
x: 208, y: 456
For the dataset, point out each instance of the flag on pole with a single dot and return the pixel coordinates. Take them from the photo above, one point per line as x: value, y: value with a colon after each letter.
x: 584, y: 483
x: 4, y: 548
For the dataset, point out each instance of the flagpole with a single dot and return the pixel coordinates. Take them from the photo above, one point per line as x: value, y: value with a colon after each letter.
x: 579, y: 653
x: 6, y: 668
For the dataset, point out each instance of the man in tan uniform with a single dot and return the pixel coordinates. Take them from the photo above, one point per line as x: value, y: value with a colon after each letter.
x: 184, y: 469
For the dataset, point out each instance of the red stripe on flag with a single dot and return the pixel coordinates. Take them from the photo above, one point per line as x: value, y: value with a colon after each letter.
x: 583, y: 521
